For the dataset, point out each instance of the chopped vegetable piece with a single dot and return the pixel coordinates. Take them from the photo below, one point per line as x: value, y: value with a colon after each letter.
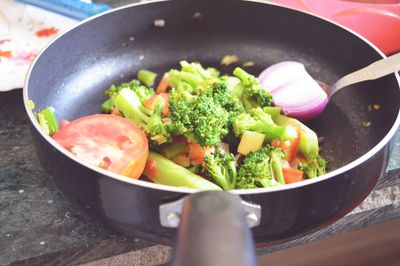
x: 250, y: 92
x: 164, y: 84
x: 262, y: 168
x: 182, y: 159
x: 248, y: 64
x: 173, y: 149
x: 229, y: 59
x: 31, y: 104
x: 313, y: 168
x: 197, y: 153
x: 96, y: 137
x: 128, y: 102
x: 294, y: 90
x: 48, y: 121
x: 147, y: 77
x: 308, y: 145
x: 221, y: 167
x: 291, y: 147
x: 151, y: 170
x: 151, y: 102
x: 107, y: 106
x: 250, y: 141
x: 258, y: 120
x: 171, y: 174
x: 292, y: 175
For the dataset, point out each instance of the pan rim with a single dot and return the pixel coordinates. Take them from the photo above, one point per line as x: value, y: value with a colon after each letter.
x: 379, y: 146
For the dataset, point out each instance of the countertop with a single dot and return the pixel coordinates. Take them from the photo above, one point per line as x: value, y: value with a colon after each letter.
x: 39, y: 227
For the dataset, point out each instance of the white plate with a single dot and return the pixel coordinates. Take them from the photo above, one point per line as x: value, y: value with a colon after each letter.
x: 24, y: 31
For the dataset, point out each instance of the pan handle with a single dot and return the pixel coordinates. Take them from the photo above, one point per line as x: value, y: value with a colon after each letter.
x: 213, y: 229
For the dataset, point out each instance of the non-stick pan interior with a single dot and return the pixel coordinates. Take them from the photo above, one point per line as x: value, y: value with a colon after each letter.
x: 73, y: 72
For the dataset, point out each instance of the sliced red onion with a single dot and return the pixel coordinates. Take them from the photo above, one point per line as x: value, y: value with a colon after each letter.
x: 294, y: 90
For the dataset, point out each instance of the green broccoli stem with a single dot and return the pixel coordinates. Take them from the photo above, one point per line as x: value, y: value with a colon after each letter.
x: 147, y: 77
x: 308, y: 146
x: 273, y: 111
x: 129, y: 104
x: 219, y: 174
x: 48, y: 121
x: 176, y: 77
x: 242, y: 75
x: 221, y: 168
x: 267, y: 182
x: 107, y: 106
x: 172, y: 174
x: 276, y: 167
x: 274, y: 131
x: 195, y: 68
x: 233, y: 174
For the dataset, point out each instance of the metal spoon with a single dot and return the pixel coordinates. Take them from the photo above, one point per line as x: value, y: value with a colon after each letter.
x: 375, y: 70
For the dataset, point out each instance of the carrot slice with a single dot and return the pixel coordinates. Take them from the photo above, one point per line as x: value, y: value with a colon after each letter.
x: 290, y: 147
x: 163, y: 85
x: 149, y: 103
x: 292, y: 175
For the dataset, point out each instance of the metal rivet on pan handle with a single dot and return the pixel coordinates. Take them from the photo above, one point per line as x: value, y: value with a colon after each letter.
x: 170, y: 213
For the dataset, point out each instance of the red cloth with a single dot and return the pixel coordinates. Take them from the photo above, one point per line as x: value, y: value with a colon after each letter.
x: 376, y: 20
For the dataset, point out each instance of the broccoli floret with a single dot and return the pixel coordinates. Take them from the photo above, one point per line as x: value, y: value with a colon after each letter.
x: 250, y: 91
x: 192, y: 77
x: 141, y: 91
x: 200, y: 118
x: 220, y: 92
x: 149, y: 120
x: 221, y: 167
x: 261, y: 168
x: 260, y: 121
x: 315, y: 167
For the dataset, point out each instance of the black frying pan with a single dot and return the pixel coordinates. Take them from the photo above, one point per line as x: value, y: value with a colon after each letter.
x: 73, y: 71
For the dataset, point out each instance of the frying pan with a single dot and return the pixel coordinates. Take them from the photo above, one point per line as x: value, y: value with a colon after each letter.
x: 74, y: 70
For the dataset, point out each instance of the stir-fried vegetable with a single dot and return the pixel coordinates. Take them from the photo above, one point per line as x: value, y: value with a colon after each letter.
x: 48, y: 121
x: 262, y: 168
x: 207, y: 131
x: 163, y: 171
x: 221, y: 167
x: 294, y: 90
x: 150, y: 121
x: 107, y: 141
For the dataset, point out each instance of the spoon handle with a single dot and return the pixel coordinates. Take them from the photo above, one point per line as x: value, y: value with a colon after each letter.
x: 375, y: 70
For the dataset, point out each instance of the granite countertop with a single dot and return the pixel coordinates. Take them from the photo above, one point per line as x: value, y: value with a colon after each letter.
x: 39, y: 227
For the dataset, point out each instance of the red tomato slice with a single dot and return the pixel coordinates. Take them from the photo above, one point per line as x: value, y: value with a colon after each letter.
x: 151, y: 169
x: 107, y: 141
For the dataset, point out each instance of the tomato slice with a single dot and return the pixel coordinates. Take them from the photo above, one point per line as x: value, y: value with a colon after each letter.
x: 107, y: 141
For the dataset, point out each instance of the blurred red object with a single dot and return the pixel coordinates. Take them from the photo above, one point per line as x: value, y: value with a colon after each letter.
x: 376, y: 20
